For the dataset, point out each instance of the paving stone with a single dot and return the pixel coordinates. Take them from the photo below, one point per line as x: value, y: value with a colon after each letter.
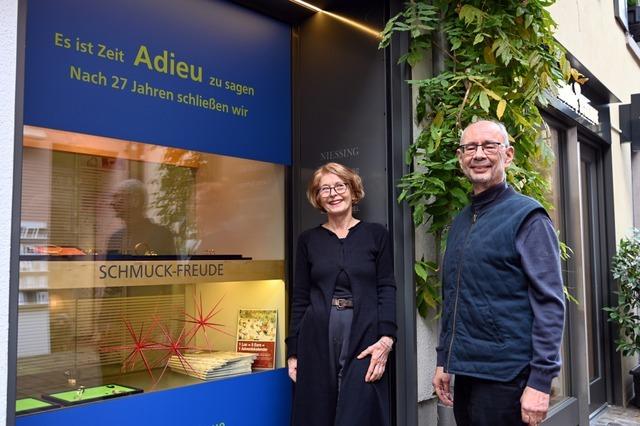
x: 617, y: 416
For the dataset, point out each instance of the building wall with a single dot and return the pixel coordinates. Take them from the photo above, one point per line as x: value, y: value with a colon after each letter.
x: 590, y: 32
x: 622, y: 180
x: 588, y: 29
x: 427, y: 339
x: 8, y: 42
x: 426, y: 328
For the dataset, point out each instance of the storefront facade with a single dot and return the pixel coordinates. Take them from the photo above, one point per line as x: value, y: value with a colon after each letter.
x: 227, y: 184
x: 161, y: 157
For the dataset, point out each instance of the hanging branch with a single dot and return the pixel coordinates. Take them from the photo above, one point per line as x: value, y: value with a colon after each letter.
x: 501, y: 64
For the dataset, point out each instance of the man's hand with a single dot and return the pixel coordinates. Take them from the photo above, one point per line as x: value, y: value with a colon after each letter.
x: 534, y: 406
x: 379, y: 352
x: 292, y: 363
x: 441, y: 382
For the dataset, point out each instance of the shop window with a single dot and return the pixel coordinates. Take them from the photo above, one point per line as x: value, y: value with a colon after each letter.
x: 553, y: 137
x: 144, y: 267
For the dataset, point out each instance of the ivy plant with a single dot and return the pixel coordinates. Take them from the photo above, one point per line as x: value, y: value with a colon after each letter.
x: 502, y: 62
x: 625, y: 267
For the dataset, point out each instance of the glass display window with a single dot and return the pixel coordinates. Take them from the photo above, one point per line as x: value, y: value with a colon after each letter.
x: 560, y: 386
x: 144, y: 267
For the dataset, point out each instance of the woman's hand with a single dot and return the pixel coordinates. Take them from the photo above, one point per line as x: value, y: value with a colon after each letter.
x: 379, y: 352
x: 292, y: 363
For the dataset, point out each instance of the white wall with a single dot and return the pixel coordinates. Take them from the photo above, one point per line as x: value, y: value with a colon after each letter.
x: 427, y: 339
x: 426, y: 328
x: 622, y: 180
x: 8, y: 36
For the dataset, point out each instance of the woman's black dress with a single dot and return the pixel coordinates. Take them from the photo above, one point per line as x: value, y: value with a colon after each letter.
x: 365, y: 256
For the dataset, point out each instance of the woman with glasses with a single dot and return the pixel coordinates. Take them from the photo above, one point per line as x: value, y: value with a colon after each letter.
x: 343, y: 310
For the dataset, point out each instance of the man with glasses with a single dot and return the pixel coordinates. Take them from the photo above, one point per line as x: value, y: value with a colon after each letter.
x: 503, y: 310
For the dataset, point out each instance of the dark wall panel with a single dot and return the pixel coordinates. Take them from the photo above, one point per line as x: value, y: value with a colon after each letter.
x: 352, y: 105
x: 340, y: 102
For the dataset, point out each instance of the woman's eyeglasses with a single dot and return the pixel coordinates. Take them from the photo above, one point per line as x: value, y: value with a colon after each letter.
x: 339, y: 188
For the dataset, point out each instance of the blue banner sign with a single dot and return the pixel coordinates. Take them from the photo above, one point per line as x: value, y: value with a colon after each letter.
x: 255, y: 399
x: 203, y: 75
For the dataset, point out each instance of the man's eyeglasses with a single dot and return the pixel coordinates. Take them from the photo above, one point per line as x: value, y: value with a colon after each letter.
x: 339, y: 188
x: 487, y: 147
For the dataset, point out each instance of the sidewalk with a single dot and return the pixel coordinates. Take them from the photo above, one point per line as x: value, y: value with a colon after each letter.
x: 617, y: 416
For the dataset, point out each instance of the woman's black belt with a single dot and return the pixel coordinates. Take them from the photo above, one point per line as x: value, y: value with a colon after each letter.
x: 342, y: 303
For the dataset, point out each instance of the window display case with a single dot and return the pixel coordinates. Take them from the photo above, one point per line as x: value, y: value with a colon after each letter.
x: 136, y: 261
x: 152, y: 211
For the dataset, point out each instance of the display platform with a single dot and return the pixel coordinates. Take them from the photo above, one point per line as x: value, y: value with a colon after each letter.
x: 95, y: 393
x: 33, y: 405
x: 253, y: 399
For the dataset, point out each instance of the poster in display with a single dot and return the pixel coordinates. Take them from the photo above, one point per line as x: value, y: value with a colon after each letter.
x: 257, y: 334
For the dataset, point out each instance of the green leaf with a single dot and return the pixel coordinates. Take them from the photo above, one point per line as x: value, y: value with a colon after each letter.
x: 528, y: 20
x: 460, y: 195
x: 488, y: 55
x: 493, y: 95
x: 423, y: 309
x: 502, y: 105
x: 484, y: 101
x: 436, y: 183
x: 437, y: 120
x: 470, y: 14
x: 421, y: 271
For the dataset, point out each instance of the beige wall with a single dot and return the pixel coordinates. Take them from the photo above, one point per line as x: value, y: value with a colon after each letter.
x: 622, y: 181
x: 588, y: 29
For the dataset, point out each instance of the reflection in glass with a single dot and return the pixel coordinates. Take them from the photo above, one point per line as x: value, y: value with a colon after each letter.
x: 590, y: 275
x: 140, y: 235
x: 134, y: 256
x: 559, y: 385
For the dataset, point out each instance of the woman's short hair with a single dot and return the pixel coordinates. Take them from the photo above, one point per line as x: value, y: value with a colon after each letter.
x: 348, y: 175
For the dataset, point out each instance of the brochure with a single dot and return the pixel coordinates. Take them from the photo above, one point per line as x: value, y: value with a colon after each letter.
x: 257, y: 335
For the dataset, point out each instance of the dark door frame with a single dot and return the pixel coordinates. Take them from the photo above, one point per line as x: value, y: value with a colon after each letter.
x: 566, y: 412
x: 575, y: 131
x: 593, y: 190
x: 399, y: 137
x: 613, y: 361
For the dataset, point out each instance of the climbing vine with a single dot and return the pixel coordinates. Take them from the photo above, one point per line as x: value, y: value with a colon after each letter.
x: 501, y: 62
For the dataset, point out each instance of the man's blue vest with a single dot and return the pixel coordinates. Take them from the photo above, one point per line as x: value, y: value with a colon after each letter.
x: 487, y: 318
